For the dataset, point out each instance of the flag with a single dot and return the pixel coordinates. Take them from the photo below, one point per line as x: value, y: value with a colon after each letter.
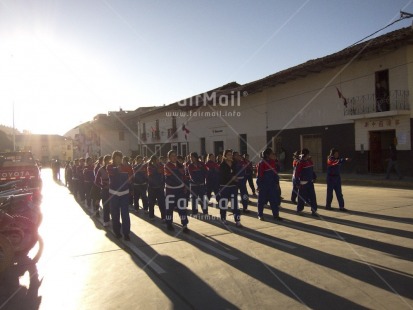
x: 186, y: 130
x: 153, y: 129
x: 340, y: 95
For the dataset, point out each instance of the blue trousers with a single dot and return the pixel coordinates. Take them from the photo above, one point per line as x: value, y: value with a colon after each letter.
x: 139, y: 192
x: 269, y: 194
x: 87, y: 187
x: 242, y: 186
x: 334, y: 184
x: 198, y: 193
x: 250, y: 182
x: 176, y: 199
x: 229, y: 194
x: 212, y: 186
x: 306, y: 194
x: 294, y: 192
x: 106, y: 204
x: 156, y: 194
x: 119, y: 208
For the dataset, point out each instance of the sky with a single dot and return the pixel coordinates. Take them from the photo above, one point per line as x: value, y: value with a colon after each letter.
x: 63, y: 62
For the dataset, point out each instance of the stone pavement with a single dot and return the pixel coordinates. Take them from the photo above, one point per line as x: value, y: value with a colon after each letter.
x: 362, y: 259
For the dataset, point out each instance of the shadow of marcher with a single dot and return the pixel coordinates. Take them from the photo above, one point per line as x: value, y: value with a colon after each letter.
x: 181, y: 285
x: 358, y: 270
x: 13, y: 295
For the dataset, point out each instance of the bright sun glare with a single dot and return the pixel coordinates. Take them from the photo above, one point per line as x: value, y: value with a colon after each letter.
x: 42, y: 75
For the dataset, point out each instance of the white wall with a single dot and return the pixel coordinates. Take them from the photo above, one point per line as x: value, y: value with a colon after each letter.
x: 218, y: 123
x: 313, y: 100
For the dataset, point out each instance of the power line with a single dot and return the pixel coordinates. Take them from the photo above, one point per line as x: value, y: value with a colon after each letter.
x: 403, y: 15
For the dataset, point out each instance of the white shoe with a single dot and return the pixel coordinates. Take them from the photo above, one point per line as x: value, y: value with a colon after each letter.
x: 238, y: 224
x: 224, y: 222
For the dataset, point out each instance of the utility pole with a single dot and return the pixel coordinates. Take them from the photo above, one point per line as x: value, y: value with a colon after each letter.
x: 14, y: 132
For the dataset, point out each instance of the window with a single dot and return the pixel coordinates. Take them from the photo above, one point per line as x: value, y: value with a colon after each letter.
x: 174, y: 123
x: 184, y: 150
x: 382, y: 91
x: 174, y: 147
x: 158, y: 150
x: 121, y: 136
x: 155, y: 132
x: 203, y: 146
x: 143, y: 134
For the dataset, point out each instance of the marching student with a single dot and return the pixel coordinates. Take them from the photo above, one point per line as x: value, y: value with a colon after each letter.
x: 249, y: 171
x: 334, y: 163
x: 120, y: 176
x: 296, y: 158
x: 268, y: 185
x: 102, y: 181
x: 88, y: 180
x: 95, y: 191
x: 156, y: 187
x: 304, y: 178
x: 140, y: 184
x: 175, y: 191
x: 196, y: 172
x: 242, y: 180
x: 212, y: 177
x: 126, y: 162
x: 81, y: 179
x: 75, y: 179
x: 69, y: 176
x: 228, y: 188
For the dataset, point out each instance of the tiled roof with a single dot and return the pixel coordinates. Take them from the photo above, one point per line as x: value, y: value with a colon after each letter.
x: 384, y: 43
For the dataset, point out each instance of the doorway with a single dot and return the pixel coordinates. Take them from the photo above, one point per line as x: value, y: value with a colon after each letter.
x: 314, y: 144
x: 379, y: 142
x: 184, y: 150
x: 218, y: 147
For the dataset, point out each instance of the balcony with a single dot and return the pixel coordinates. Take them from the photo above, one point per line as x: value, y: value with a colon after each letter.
x: 366, y: 106
x: 156, y: 135
x: 172, y: 133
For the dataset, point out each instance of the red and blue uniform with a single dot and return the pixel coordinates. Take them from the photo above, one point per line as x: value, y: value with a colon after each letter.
x: 249, y: 171
x: 80, y: 182
x: 304, y: 178
x: 119, y: 190
x: 197, y: 174
x: 295, y: 189
x: 156, y: 189
x: 88, y: 180
x: 140, y: 186
x: 175, y: 192
x: 241, y: 167
x: 334, y: 181
x: 268, y: 187
x: 228, y: 191
x: 102, y: 181
x: 212, y: 179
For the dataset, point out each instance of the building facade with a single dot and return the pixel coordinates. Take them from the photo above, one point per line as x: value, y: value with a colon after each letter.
x: 46, y: 147
x: 357, y: 100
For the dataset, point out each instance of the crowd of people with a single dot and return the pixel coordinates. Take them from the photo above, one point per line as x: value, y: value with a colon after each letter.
x: 120, y: 183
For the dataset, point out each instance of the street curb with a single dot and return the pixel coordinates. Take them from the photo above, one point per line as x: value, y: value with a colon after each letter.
x: 362, y: 180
